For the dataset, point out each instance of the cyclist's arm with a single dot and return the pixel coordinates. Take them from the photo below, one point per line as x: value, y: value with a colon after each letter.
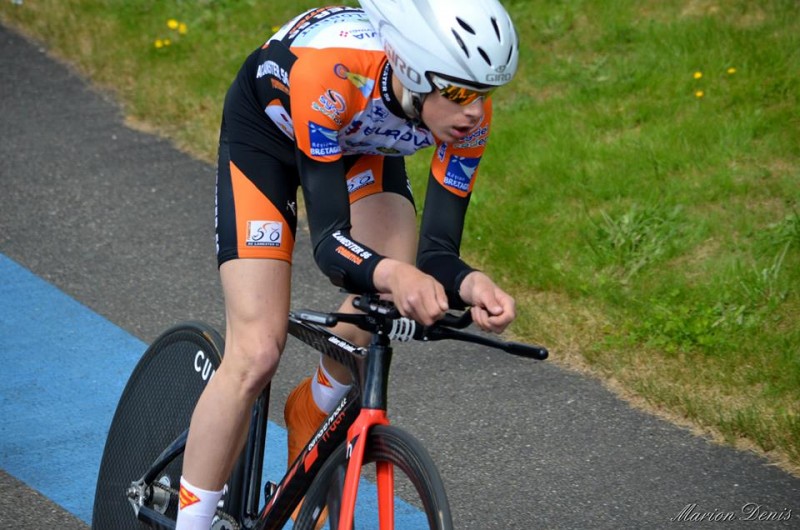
x: 454, y: 170
x: 440, y: 239
x: 353, y: 265
x: 320, y: 103
x: 346, y: 262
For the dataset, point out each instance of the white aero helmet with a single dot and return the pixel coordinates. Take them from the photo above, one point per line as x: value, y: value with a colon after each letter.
x: 460, y: 47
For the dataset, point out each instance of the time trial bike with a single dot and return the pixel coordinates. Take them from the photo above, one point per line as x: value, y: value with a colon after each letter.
x: 137, y: 484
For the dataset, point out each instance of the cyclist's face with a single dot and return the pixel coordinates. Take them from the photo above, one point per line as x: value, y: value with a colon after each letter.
x: 449, y: 121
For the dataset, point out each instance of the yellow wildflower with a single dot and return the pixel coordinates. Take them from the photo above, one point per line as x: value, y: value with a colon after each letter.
x: 275, y: 29
x: 172, y: 23
x: 698, y: 94
x: 182, y: 29
x: 698, y: 75
x: 158, y: 43
x: 731, y: 70
x: 167, y: 42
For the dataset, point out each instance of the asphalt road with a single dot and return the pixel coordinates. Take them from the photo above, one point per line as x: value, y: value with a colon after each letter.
x: 123, y: 222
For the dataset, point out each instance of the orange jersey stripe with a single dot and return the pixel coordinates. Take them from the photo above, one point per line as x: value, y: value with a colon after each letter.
x: 262, y: 230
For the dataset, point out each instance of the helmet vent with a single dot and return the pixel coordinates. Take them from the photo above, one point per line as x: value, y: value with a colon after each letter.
x: 485, y: 56
x: 461, y: 43
x: 496, y: 28
x: 464, y: 25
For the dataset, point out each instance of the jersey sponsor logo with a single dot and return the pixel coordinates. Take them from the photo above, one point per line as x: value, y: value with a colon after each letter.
x: 356, y: 182
x: 351, y: 245
x: 441, y: 152
x: 273, y: 69
x: 324, y: 141
x: 359, y: 33
x: 277, y: 85
x: 363, y: 83
x: 354, y: 127
x: 280, y: 117
x: 393, y: 137
x: 349, y: 255
x: 460, y: 171
x: 378, y: 113
x: 355, y: 145
x: 340, y: 70
x: 332, y: 104
x: 400, y: 135
x: 386, y: 89
x: 323, y: 24
x: 264, y: 233
x: 388, y: 150
x: 313, y: 16
x: 474, y: 139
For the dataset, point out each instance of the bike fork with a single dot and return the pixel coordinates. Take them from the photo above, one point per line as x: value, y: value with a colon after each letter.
x: 373, y: 412
x: 357, y: 437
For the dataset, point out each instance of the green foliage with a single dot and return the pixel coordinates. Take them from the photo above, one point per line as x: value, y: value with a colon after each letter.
x: 634, y: 239
x: 673, y: 326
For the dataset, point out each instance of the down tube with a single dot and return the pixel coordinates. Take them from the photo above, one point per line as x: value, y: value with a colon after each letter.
x: 301, y: 474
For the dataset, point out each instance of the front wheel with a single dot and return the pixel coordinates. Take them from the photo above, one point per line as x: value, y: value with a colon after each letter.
x: 155, y: 408
x: 419, y: 496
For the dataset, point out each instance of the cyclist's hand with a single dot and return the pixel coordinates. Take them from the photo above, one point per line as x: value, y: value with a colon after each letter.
x: 417, y: 295
x: 492, y: 308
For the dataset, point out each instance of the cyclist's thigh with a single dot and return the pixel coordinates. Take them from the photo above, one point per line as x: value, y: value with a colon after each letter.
x: 256, y: 224
x: 382, y: 208
x: 257, y: 294
x: 256, y: 192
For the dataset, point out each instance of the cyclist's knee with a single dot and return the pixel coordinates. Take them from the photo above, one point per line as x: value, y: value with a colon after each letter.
x: 254, y: 361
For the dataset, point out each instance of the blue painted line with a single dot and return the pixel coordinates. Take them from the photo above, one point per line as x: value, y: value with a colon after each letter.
x: 65, y: 368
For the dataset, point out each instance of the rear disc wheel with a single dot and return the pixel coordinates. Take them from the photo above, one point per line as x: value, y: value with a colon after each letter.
x: 154, y: 409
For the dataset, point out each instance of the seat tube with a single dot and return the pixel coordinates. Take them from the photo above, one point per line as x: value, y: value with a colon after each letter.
x: 376, y: 373
x: 248, y: 469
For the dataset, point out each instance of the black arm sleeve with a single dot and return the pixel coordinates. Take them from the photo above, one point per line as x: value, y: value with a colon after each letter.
x: 440, y: 239
x: 346, y: 262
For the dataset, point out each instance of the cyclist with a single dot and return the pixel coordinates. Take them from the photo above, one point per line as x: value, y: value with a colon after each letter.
x: 331, y: 104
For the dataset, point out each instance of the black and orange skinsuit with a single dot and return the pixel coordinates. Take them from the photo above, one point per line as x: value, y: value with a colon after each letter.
x: 313, y: 107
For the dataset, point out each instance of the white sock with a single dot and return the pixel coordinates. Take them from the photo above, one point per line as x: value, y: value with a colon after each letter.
x: 196, y: 507
x: 326, y: 390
